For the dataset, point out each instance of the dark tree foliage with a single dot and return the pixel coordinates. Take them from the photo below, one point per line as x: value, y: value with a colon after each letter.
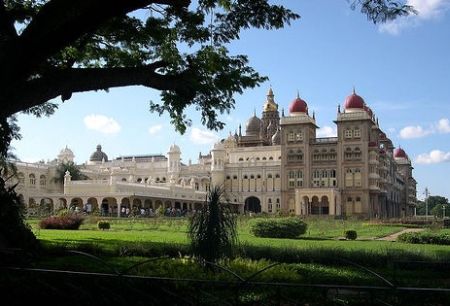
x: 379, y: 11
x: 212, y: 230
x: 14, y: 233
x: 54, y: 48
x: 74, y: 170
x: 432, y: 202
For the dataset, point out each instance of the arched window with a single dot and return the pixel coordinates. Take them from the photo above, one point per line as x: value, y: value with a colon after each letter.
x: 139, y: 180
x: 228, y: 177
x: 258, y: 176
x: 271, y: 158
x: 163, y: 179
x: 245, y: 177
x: 264, y: 158
x: 21, y: 178
x: 269, y: 175
x: 252, y: 176
x: 124, y: 179
x: 42, y: 180
x: 234, y: 177
x: 241, y: 159
x: 32, y: 179
x: 277, y: 175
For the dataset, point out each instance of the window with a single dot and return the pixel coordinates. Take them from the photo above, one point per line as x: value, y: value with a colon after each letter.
x: 42, y: 180
x: 264, y: 158
x: 269, y: 175
x: 291, y: 136
x: 349, y: 178
x: 245, y: 177
x: 32, y: 179
x: 271, y: 158
x: 241, y: 159
x: 348, y: 133
x: 258, y: 176
x: 357, y: 133
x: 299, y: 178
x: 21, y: 178
x: 139, y: 180
x: 228, y: 177
x: 291, y: 179
x: 252, y: 176
x: 234, y: 177
x: 357, y: 178
x: 277, y: 175
x: 124, y: 179
x: 299, y: 136
x: 278, y: 205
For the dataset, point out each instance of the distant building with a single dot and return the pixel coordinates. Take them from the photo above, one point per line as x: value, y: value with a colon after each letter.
x: 278, y: 164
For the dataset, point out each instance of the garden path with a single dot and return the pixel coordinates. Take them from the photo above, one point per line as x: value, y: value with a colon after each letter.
x: 394, y: 236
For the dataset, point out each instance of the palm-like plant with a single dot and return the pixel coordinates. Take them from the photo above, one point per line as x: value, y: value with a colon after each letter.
x: 212, y: 230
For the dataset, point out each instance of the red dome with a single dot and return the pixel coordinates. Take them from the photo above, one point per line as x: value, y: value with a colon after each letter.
x: 354, y: 101
x: 298, y: 106
x: 399, y: 153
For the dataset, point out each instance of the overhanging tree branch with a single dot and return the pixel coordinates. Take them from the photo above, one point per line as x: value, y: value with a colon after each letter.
x: 65, y: 82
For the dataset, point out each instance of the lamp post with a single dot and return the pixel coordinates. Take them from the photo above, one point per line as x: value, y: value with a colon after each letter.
x: 427, y: 193
x: 443, y: 211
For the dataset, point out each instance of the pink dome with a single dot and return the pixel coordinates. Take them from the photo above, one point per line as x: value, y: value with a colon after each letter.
x: 354, y: 101
x: 298, y: 106
x: 399, y: 153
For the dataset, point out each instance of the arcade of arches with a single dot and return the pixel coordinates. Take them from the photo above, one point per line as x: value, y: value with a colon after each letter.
x: 315, y: 201
x: 108, y: 205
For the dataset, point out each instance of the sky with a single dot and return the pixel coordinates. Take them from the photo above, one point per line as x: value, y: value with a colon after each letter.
x: 401, y: 69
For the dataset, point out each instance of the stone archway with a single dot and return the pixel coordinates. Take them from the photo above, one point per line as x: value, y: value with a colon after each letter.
x: 91, y: 205
x: 252, y: 204
x: 108, y: 206
x: 324, y: 205
x: 46, y: 206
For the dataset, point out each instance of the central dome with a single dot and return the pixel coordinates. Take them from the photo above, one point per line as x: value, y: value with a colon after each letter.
x: 98, y: 155
x: 253, y: 126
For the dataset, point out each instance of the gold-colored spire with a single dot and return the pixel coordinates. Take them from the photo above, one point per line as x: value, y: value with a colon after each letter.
x: 270, y: 105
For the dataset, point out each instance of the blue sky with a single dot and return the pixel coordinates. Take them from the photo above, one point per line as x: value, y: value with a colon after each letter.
x: 401, y: 69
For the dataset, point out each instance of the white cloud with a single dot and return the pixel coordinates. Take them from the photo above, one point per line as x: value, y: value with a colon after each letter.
x: 414, y: 132
x: 426, y: 10
x: 327, y: 131
x: 154, y: 129
x: 443, y: 126
x: 199, y: 136
x: 434, y: 157
x: 102, y: 124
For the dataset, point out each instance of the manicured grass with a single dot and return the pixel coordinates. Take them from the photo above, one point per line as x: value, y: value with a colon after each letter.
x: 143, y: 233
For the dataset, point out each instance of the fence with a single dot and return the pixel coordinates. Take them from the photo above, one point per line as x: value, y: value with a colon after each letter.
x: 120, y: 287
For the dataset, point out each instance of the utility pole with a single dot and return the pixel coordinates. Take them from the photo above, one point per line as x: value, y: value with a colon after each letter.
x: 427, y: 194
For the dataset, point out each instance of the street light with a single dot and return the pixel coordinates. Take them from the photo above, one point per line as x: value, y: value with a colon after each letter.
x: 443, y: 211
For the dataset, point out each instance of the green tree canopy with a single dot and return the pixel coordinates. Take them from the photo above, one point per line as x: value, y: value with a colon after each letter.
x: 54, y: 48
x: 432, y: 202
x: 74, y: 170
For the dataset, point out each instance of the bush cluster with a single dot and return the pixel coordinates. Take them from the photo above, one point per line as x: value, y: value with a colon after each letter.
x: 103, y: 225
x: 351, y: 235
x: 425, y: 238
x: 279, y: 228
x: 66, y: 222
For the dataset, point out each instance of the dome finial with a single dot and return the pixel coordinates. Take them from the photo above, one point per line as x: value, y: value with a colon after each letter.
x: 270, y: 91
x: 254, y: 112
x: 298, y: 94
x: 354, y: 90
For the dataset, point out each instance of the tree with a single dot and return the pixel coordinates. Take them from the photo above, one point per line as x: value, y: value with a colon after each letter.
x: 438, y: 210
x: 212, y: 229
x: 53, y: 48
x: 432, y: 202
x: 74, y: 170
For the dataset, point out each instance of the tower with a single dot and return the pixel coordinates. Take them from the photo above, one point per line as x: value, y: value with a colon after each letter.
x: 218, y: 164
x: 174, y: 161
x: 270, y: 117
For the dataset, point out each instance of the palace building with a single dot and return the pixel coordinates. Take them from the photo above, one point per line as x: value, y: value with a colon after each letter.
x: 277, y: 164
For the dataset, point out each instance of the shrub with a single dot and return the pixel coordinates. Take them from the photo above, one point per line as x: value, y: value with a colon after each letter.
x: 69, y: 222
x: 103, y: 225
x: 425, y: 238
x: 279, y: 228
x: 212, y: 230
x: 350, y: 235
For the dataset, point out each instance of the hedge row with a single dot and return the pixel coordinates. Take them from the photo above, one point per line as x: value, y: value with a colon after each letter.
x: 425, y: 238
x: 279, y: 228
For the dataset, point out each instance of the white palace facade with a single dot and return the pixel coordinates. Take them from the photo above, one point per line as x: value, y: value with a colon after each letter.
x: 277, y: 164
